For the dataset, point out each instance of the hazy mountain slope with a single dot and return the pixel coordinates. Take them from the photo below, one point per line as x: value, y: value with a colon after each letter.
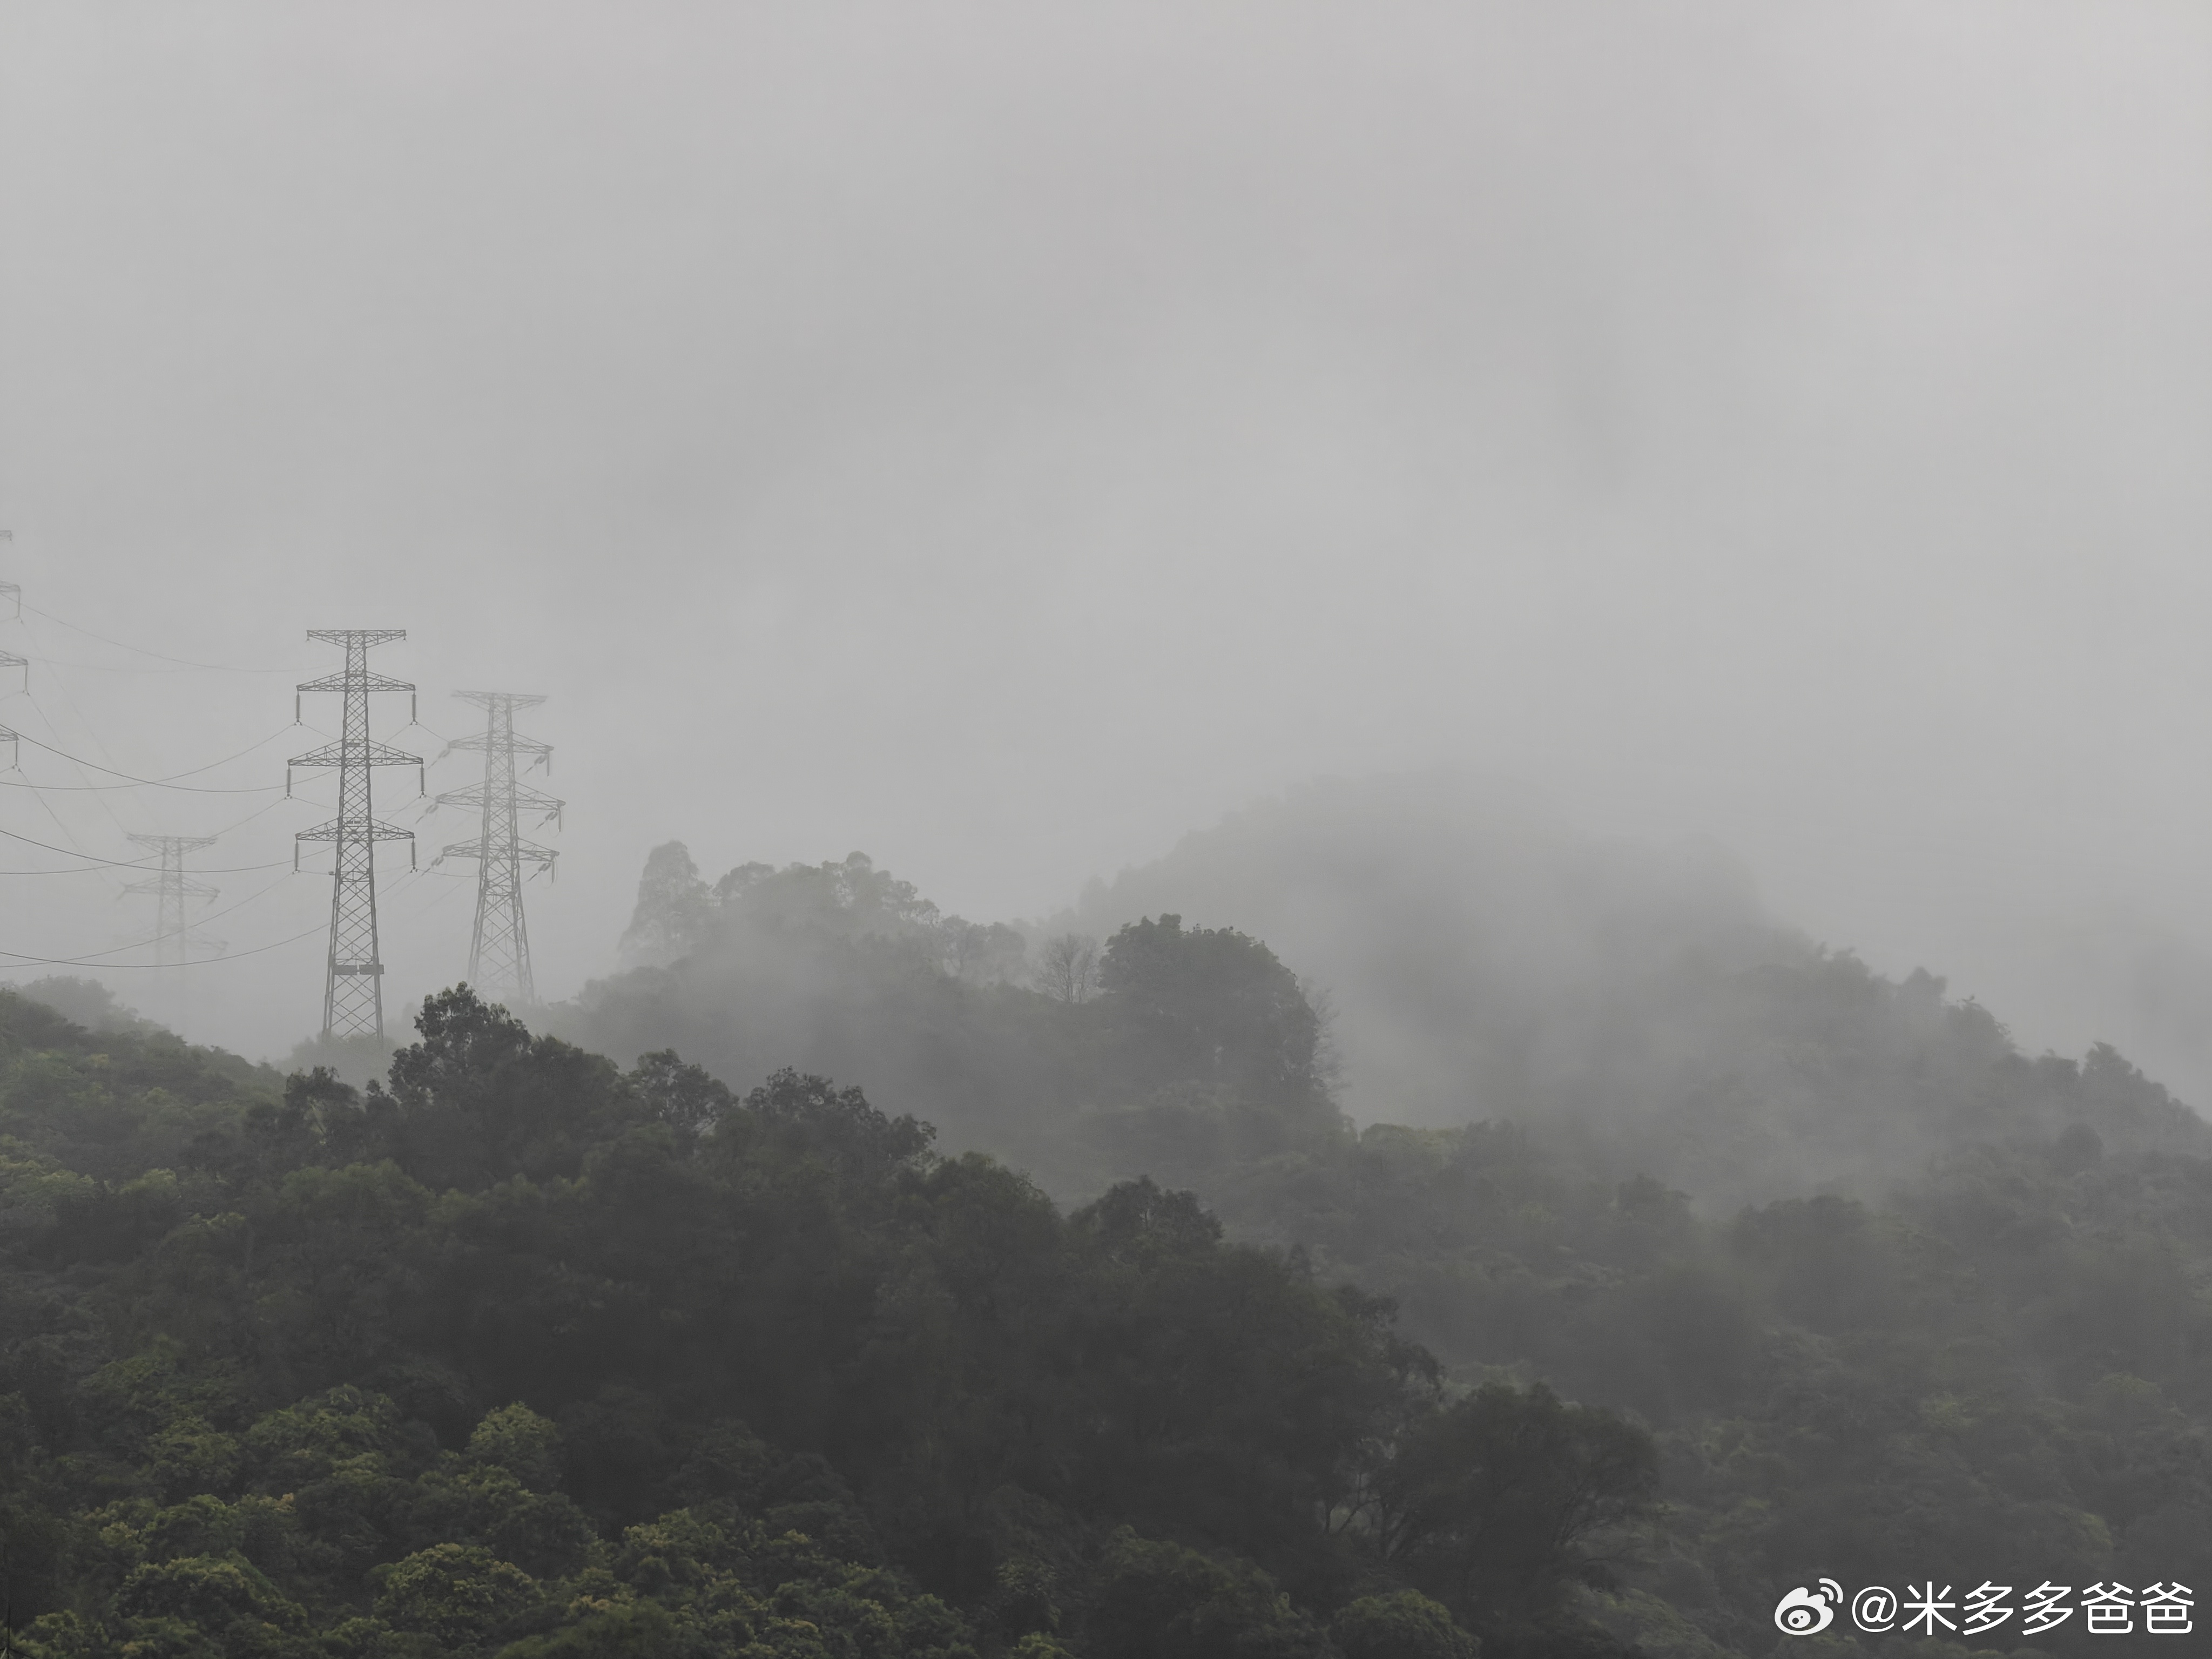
x: 837, y: 969
x: 1474, y: 949
x: 1632, y: 1004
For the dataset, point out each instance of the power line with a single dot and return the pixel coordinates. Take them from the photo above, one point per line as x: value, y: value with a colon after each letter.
x: 127, y: 864
x: 131, y: 782
x: 259, y: 811
x: 258, y: 893
x: 105, y: 806
x: 105, y: 967
x: 104, y: 789
x: 121, y: 645
x: 76, y: 849
x: 43, y: 661
x: 349, y: 1008
x: 99, y: 863
x: 94, y: 959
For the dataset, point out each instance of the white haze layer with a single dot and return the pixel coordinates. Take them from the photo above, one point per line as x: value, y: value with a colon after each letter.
x: 1005, y: 438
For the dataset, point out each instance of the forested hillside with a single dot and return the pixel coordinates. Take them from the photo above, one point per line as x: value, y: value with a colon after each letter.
x: 528, y: 1355
x: 523, y: 1352
x: 1895, y: 1297
x: 1662, y: 1028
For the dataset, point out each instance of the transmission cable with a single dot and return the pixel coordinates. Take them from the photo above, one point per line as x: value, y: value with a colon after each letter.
x: 131, y: 782
x: 93, y: 957
x: 129, y: 864
x: 204, y: 962
x: 96, y: 960
x: 187, y: 662
x: 76, y: 849
x: 61, y: 685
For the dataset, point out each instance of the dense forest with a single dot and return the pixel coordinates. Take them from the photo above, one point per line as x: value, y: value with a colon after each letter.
x: 919, y: 1290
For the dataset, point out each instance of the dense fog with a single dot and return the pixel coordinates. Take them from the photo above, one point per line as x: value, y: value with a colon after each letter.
x: 1348, y: 832
x: 1008, y: 443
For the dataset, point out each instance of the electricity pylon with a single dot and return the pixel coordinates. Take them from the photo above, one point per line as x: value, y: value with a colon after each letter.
x: 170, y: 888
x: 499, y: 951
x: 13, y: 592
x: 353, y: 988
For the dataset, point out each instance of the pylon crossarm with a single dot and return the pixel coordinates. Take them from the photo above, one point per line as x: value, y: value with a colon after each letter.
x: 358, y: 754
x: 336, y: 830
x: 482, y: 744
x: 363, y: 636
x: 338, y: 682
x: 509, y: 700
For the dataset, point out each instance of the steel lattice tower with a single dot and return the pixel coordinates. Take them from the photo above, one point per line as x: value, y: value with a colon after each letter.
x: 499, y: 951
x: 170, y: 888
x: 13, y: 593
x: 353, y: 989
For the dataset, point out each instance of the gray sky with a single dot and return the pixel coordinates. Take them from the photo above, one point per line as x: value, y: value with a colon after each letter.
x: 1003, y: 438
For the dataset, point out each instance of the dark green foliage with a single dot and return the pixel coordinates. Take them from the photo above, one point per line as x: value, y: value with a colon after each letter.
x: 1490, y: 1503
x: 2003, y: 1366
x: 523, y: 1355
x: 1403, y: 1625
x: 1212, y: 1006
x: 1161, y: 1600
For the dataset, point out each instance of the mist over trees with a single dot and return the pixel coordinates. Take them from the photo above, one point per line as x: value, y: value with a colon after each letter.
x: 923, y: 1287
x: 1463, y: 959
